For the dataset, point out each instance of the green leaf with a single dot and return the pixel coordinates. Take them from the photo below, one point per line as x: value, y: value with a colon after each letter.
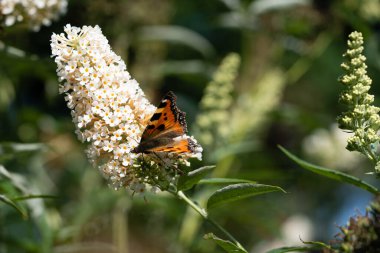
x: 17, y: 180
x: 234, y: 149
x: 183, y: 67
x: 333, y: 174
x: 9, y: 202
x: 224, y: 181
x: 293, y: 249
x: 12, y: 147
x: 26, y: 197
x: 10, y: 150
x: 4, y: 172
x: 317, y: 244
x: 314, y: 246
x: 186, y: 182
x: 228, y: 246
x: 239, y: 191
x: 179, y: 35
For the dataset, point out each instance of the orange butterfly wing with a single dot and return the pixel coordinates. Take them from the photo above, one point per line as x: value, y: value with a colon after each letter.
x: 167, y: 123
x: 167, y: 117
x: 183, y: 146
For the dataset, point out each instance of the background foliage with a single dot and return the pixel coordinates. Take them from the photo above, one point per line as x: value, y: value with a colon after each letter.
x: 286, y: 93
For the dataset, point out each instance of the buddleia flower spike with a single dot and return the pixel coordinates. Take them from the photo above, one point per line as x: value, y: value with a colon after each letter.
x: 33, y: 13
x: 111, y: 114
x: 361, y: 118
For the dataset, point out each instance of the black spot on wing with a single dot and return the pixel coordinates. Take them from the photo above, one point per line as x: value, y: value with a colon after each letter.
x: 161, y: 127
x: 156, y: 116
x: 150, y: 127
x: 162, y: 104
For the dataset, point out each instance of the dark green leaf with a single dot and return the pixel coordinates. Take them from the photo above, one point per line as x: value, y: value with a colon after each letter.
x: 224, y: 181
x: 318, y: 244
x: 293, y: 249
x: 177, y: 35
x: 182, y: 67
x: 26, y: 197
x: 9, y: 202
x: 239, y: 191
x: 233, y: 149
x: 228, y: 246
x: 314, y: 246
x: 333, y: 174
x: 192, y: 178
x: 4, y: 172
x: 10, y: 147
x: 17, y: 180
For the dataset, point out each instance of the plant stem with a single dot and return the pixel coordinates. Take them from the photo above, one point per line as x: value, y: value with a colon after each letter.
x: 203, y: 213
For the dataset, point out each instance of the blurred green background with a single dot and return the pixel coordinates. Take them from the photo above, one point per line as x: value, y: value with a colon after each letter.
x: 285, y: 93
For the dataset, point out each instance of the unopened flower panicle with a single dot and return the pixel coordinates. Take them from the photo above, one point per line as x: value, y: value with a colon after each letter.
x: 211, y: 124
x: 362, y: 117
x: 34, y: 13
x: 109, y: 109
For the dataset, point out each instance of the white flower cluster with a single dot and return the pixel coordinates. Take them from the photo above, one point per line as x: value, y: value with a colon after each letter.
x: 32, y: 12
x: 109, y: 109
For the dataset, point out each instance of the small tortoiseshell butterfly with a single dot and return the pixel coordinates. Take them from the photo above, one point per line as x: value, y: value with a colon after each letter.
x: 166, y: 130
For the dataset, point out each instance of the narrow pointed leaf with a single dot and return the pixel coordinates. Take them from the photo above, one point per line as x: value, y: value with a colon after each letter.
x: 11, y: 147
x: 9, y: 202
x: 314, y: 246
x: 234, y: 149
x: 26, y: 197
x: 239, y: 191
x: 177, y: 35
x: 17, y: 180
x: 188, y: 181
x: 293, y: 249
x: 228, y: 246
x: 333, y: 174
x: 4, y: 172
x: 224, y: 181
x: 317, y: 244
x: 181, y: 67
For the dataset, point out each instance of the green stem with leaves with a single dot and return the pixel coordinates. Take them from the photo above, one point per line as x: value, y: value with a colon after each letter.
x: 204, y: 214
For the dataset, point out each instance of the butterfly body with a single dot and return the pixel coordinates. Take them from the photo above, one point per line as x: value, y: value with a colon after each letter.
x: 166, y: 130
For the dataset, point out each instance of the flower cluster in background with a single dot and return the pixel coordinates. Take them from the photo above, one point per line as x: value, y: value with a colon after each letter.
x: 361, y: 234
x: 250, y: 113
x: 109, y: 109
x: 211, y: 124
x: 33, y: 13
x: 362, y: 117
